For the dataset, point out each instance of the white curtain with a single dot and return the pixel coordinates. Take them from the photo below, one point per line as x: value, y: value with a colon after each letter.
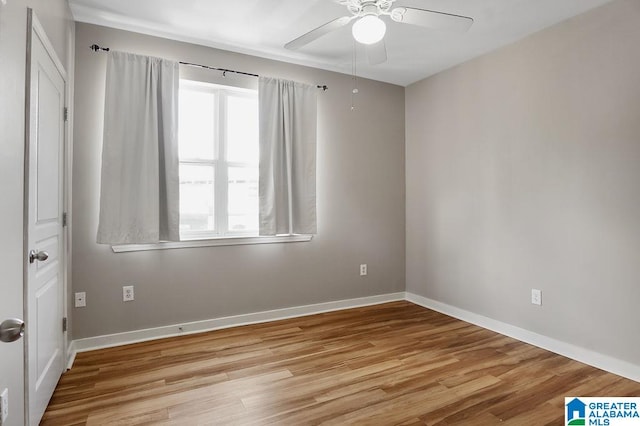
x: 287, y: 188
x: 139, y: 197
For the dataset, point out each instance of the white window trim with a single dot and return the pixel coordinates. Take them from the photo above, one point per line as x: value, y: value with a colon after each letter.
x: 214, y: 242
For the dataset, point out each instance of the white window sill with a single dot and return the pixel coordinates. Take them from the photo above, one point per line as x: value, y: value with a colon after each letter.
x: 228, y: 241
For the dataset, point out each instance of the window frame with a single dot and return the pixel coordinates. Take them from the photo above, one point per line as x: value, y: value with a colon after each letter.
x: 219, y: 162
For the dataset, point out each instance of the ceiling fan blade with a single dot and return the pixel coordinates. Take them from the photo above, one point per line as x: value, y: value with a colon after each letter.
x: 431, y: 19
x: 318, y: 32
x: 376, y: 53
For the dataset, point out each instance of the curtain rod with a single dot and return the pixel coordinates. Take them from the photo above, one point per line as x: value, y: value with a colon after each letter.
x: 97, y: 48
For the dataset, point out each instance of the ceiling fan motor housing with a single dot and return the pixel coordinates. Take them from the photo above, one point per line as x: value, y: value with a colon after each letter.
x: 361, y: 8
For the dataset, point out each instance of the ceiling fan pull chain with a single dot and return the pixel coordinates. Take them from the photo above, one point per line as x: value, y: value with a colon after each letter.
x: 354, y: 76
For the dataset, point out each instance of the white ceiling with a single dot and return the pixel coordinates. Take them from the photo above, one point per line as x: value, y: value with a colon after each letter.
x: 262, y: 27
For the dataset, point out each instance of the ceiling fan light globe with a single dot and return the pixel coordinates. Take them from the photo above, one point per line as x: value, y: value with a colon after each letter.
x: 369, y: 29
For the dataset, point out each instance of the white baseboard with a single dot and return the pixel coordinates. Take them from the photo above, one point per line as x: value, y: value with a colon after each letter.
x: 586, y: 356
x: 71, y: 354
x: 136, y: 336
x: 595, y: 359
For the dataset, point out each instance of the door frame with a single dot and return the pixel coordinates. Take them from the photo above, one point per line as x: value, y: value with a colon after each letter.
x: 34, y: 26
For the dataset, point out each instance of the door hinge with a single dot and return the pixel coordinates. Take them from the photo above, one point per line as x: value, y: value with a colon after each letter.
x: 66, y: 114
x: 64, y: 219
x: 64, y: 324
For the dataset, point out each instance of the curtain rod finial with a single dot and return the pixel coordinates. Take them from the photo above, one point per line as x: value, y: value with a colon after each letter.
x: 95, y: 48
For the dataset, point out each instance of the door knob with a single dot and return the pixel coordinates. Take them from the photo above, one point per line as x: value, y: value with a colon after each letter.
x: 38, y: 255
x: 11, y: 330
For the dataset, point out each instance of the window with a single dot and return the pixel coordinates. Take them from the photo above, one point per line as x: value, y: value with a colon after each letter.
x: 218, y: 148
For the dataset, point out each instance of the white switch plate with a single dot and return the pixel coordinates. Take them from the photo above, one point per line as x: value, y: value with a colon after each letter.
x: 127, y: 293
x: 536, y: 297
x: 4, y: 406
x: 363, y: 269
x: 81, y: 299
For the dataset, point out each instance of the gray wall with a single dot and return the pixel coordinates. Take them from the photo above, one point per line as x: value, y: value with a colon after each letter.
x: 55, y: 17
x: 361, y: 216
x: 523, y: 171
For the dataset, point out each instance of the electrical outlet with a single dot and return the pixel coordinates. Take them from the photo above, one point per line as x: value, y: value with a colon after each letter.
x: 4, y: 406
x: 81, y: 299
x: 363, y: 269
x: 127, y: 293
x: 536, y: 297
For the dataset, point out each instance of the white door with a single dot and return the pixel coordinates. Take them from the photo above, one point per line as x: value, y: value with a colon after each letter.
x: 44, y: 263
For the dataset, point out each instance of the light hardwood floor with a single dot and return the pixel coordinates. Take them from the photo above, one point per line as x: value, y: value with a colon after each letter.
x: 395, y: 363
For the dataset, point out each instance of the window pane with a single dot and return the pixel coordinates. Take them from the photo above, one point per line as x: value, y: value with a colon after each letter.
x: 196, y: 198
x: 243, y: 199
x: 242, y: 129
x: 196, y: 124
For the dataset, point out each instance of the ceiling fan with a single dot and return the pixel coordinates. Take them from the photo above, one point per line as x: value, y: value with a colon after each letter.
x: 369, y: 29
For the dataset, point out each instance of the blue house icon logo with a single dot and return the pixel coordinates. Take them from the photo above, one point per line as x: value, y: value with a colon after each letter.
x: 576, y: 412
